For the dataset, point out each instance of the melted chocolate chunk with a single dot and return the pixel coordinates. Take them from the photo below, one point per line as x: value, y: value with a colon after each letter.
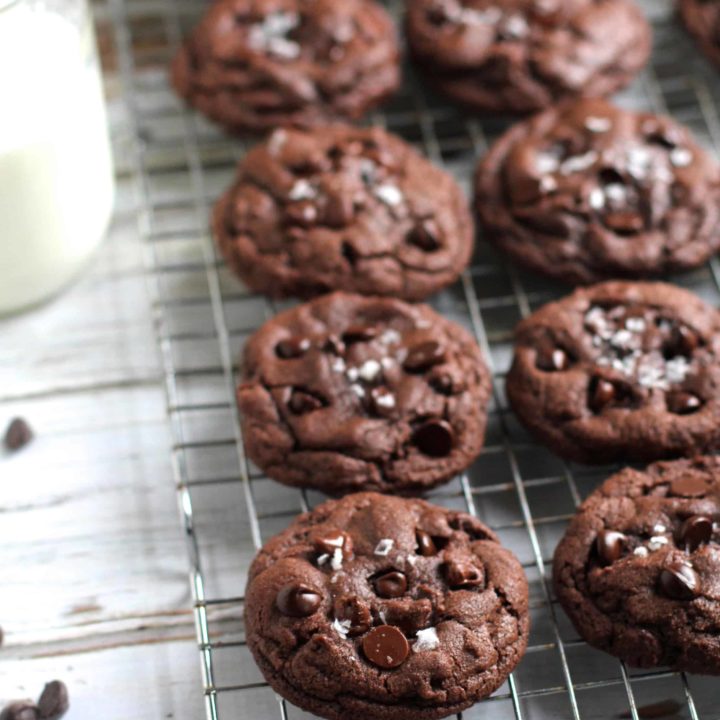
x: 424, y: 355
x: 298, y: 600
x: 552, y: 359
x: 690, y: 485
x: 463, y: 575
x: 359, y: 333
x: 292, y: 348
x: 386, y: 647
x: 435, y: 438
x: 391, y: 584
x: 610, y: 545
x: 695, y: 531
x: 302, y: 403
x: 426, y: 545
x: 356, y: 611
x: 424, y: 235
x: 679, y: 581
x: 329, y: 542
x: 683, y: 403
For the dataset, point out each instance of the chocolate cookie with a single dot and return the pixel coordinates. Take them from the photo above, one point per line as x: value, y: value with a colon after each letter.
x: 253, y: 65
x: 386, y: 609
x: 620, y: 371
x: 586, y: 192
x: 702, y: 19
x: 347, y: 393
x: 343, y: 208
x: 638, y: 570
x: 524, y: 55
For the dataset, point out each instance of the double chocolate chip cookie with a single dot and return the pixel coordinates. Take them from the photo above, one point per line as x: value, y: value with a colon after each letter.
x: 586, y: 192
x: 387, y: 609
x: 253, y: 65
x: 638, y: 570
x: 524, y: 55
x: 702, y: 19
x: 620, y: 371
x: 348, y: 392
x: 343, y: 208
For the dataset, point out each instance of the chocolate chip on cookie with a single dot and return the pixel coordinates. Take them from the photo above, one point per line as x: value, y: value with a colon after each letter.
x: 643, y: 382
x: 254, y: 65
x: 388, y: 632
x: 525, y: 55
x: 344, y: 208
x: 344, y: 393
x: 586, y: 191
x: 637, y: 569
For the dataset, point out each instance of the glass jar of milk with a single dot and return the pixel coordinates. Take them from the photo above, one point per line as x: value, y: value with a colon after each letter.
x: 56, y: 177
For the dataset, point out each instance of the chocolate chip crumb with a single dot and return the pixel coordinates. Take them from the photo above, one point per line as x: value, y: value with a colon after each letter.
x: 18, y: 434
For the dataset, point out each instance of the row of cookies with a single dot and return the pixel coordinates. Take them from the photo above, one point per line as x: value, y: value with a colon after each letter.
x: 253, y: 65
x: 582, y: 192
x: 394, y: 608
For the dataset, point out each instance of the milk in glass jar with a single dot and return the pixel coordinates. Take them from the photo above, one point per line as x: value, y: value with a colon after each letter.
x: 56, y: 178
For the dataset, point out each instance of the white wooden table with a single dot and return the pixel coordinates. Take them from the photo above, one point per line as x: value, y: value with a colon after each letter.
x: 93, y: 565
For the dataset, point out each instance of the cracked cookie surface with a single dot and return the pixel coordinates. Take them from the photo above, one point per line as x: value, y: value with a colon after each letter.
x: 586, y: 192
x: 254, y: 65
x: 343, y: 208
x: 638, y: 570
x: 524, y: 55
x: 386, y: 608
x: 348, y: 393
x: 620, y: 371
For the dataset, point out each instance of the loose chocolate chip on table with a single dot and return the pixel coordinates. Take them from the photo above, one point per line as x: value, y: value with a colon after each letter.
x: 20, y: 710
x: 298, y: 600
x: 18, y: 434
x: 610, y: 545
x: 683, y: 403
x: 463, y: 575
x: 434, y: 438
x: 679, y: 581
x: 302, y: 402
x: 386, y: 647
x: 425, y: 543
x: 424, y: 355
x: 695, y: 531
x: 292, y: 348
x: 392, y: 584
x: 54, y: 701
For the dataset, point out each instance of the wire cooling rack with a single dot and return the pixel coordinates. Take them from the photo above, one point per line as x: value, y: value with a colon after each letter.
x: 203, y: 316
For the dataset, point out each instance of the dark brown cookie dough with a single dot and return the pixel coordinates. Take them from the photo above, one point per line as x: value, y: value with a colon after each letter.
x: 702, y: 19
x: 387, y: 609
x: 254, y: 65
x: 524, y: 55
x: 620, y: 371
x: 347, y: 393
x: 587, y: 191
x: 638, y: 570
x: 343, y: 208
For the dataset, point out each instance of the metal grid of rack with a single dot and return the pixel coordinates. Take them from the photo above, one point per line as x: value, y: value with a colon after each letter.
x: 203, y: 316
